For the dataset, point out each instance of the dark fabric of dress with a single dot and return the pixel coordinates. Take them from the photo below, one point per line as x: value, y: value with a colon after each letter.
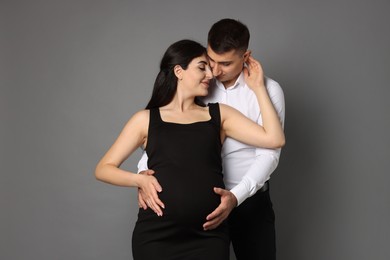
x: 186, y: 159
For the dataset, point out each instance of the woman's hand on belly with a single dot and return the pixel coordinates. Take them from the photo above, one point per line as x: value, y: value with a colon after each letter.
x: 148, y: 191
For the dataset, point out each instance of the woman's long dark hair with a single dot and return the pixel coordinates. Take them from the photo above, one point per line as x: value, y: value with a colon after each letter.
x: 179, y: 53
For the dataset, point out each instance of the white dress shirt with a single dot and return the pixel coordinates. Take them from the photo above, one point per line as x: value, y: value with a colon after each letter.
x: 245, y: 167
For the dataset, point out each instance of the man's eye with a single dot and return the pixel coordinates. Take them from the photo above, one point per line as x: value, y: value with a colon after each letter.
x: 202, y: 68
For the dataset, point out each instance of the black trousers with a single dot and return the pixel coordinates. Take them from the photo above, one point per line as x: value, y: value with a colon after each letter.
x: 252, y: 228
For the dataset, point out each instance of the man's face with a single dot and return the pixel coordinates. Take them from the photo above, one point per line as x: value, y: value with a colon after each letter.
x: 226, y: 67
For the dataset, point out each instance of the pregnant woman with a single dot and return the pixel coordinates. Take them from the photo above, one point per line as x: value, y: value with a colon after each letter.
x: 183, y: 140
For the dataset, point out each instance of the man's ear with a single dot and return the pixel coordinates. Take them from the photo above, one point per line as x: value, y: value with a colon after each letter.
x: 246, y: 55
x: 178, y: 70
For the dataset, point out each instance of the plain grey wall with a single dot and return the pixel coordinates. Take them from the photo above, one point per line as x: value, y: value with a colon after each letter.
x: 73, y: 72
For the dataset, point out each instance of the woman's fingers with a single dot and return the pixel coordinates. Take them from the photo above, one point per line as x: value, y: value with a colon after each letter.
x: 155, y: 207
x: 149, y: 194
x: 141, y: 201
x: 253, y: 73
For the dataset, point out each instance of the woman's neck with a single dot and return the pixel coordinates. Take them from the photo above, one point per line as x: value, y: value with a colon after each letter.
x: 181, y: 104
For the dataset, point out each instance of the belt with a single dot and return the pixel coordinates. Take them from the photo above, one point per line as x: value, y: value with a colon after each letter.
x: 264, y: 188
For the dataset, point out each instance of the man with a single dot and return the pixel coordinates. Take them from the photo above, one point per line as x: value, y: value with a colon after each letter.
x: 246, y: 169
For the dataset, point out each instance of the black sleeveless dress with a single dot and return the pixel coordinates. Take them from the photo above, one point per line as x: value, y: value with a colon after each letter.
x: 187, y: 162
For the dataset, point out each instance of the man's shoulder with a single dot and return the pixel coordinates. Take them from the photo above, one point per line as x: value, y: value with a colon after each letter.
x: 269, y: 82
x: 273, y: 86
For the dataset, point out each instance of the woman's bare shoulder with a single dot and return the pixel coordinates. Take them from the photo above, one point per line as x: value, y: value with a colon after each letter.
x: 226, y: 109
x: 142, y: 114
x: 139, y: 118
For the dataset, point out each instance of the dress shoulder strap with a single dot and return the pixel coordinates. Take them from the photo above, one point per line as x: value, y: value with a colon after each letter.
x: 154, y: 117
x: 215, y: 113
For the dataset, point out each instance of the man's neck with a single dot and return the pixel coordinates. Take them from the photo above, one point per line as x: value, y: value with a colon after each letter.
x: 229, y: 83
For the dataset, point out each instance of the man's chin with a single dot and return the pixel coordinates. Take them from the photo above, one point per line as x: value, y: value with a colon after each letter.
x: 221, y: 79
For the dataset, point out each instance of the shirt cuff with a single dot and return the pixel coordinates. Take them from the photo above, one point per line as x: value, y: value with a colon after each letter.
x: 241, y: 192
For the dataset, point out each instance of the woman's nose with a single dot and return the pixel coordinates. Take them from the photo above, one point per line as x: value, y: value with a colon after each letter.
x: 209, y: 73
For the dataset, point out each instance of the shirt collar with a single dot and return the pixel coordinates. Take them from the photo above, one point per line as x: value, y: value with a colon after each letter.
x: 239, y: 82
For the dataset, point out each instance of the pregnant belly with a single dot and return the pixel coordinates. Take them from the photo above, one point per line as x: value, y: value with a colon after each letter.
x: 188, y: 199
x: 190, y: 203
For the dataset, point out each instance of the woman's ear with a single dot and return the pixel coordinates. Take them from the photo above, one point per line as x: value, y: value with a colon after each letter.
x: 178, y: 70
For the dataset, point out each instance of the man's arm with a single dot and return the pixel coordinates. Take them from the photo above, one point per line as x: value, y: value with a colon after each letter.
x: 266, y: 159
x: 260, y: 171
x: 143, y: 163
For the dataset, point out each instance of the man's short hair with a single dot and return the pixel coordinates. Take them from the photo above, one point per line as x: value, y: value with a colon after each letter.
x: 228, y: 34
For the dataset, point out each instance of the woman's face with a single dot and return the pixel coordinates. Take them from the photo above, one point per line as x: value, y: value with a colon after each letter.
x: 197, y: 76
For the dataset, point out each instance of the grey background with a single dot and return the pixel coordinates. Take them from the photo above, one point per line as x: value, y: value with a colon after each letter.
x: 73, y: 72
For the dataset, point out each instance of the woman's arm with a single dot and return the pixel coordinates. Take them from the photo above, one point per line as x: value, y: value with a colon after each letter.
x: 133, y: 135
x: 237, y: 126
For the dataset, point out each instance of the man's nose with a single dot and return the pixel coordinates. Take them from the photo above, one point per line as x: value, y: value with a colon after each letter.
x: 216, y: 70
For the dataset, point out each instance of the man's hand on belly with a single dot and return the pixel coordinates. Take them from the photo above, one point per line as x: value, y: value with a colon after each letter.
x: 228, y: 203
